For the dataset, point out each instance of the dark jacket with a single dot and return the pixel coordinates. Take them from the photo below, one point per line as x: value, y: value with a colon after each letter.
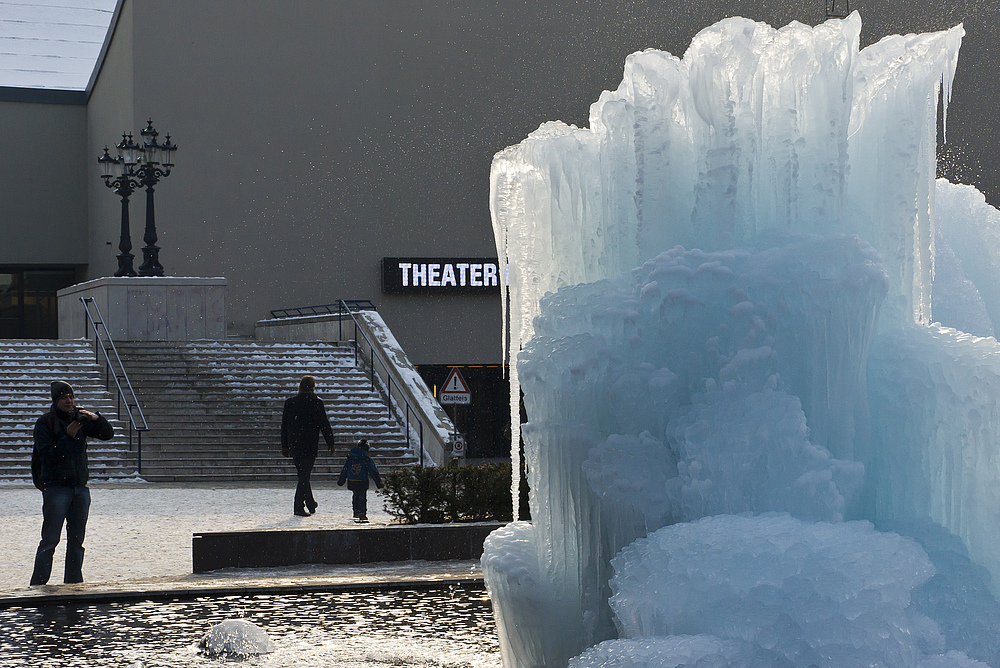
x: 302, y: 420
x: 357, y: 469
x: 62, y: 459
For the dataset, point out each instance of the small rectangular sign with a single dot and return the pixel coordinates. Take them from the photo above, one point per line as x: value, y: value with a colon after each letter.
x: 436, y: 275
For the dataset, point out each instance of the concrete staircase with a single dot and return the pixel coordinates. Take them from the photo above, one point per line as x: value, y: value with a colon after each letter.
x: 27, y: 367
x: 214, y: 408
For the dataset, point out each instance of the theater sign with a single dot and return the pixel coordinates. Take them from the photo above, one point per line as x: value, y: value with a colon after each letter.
x: 426, y: 275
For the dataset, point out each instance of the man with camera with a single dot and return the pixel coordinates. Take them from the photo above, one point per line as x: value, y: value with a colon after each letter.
x: 59, y: 470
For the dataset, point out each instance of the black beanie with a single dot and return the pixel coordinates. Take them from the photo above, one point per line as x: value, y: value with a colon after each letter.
x: 59, y: 388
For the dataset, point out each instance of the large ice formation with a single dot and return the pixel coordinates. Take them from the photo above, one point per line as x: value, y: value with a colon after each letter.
x: 754, y: 336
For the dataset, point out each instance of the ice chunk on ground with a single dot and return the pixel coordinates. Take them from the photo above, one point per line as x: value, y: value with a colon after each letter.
x: 236, y: 638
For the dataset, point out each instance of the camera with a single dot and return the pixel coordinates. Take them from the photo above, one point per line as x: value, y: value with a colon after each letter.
x: 77, y: 416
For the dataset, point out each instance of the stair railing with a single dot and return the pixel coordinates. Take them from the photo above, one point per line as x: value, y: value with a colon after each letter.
x: 325, y: 309
x: 114, y: 369
x: 372, y: 358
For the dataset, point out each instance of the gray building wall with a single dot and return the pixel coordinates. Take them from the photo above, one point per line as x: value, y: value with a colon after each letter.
x: 318, y: 136
x: 315, y: 138
x: 109, y: 113
x: 43, y: 193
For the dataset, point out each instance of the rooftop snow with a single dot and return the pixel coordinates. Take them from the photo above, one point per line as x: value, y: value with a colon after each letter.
x: 52, y: 44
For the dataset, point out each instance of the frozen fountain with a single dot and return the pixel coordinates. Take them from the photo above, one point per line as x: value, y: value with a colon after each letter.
x: 751, y: 438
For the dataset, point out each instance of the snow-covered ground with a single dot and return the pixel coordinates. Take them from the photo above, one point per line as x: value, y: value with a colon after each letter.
x: 142, y: 531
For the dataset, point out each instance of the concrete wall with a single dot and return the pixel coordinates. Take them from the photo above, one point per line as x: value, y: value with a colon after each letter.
x: 372, y: 544
x: 43, y: 194
x: 147, y: 308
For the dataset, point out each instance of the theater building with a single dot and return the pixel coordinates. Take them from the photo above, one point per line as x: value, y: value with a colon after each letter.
x: 335, y: 149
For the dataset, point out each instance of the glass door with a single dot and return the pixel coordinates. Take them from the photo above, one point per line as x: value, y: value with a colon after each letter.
x: 28, y: 305
x: 11, y: 311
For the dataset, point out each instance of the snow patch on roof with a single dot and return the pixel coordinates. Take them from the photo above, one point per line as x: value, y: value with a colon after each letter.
x: 52, y: 44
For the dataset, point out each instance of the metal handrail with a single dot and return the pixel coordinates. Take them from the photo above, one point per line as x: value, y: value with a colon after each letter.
x: 131, y: 401
x: 388, y: 378
x: 324, y: 309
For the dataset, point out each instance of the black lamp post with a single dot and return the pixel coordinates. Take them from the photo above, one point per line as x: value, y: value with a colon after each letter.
x: 156, y: 165
x: 119, y: 175
x: 138, y: 166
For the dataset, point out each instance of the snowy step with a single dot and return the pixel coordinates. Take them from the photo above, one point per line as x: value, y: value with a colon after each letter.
x: 332, y: 464
x: 217, y: 408
x: 234, y: 454
x: 214, y: 408
x: 288, y: 478
x: 251, y: 427
x: 221, y: 450
x: 26, y: 369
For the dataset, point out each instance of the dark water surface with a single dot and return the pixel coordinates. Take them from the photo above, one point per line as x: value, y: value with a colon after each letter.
x: 448, y: 627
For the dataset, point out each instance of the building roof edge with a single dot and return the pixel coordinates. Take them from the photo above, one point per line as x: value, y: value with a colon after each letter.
x: 62, y: 95
x: 104, y: 50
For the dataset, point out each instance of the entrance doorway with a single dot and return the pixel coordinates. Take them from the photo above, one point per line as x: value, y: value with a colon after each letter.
x: 28, y: 305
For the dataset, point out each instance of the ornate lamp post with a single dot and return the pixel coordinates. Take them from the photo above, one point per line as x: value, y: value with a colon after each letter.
x: 119, y: 175
x: 138, y: 166
x: 156, y: 165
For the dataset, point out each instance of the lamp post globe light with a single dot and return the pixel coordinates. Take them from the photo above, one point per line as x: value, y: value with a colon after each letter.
x: 138, y: 166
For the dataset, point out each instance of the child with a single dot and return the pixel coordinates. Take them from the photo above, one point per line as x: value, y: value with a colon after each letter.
x: 357, y: 469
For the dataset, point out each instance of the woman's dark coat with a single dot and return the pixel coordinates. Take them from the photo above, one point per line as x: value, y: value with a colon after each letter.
x: 302, y: 420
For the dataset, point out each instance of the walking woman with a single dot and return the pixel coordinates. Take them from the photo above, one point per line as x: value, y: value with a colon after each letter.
x: 302, y: 420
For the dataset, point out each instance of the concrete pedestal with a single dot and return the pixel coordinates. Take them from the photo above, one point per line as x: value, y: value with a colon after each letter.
x: 163, y: 308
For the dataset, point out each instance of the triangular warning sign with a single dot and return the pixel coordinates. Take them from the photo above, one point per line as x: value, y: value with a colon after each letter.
x: 454, y: 383
x: 455, y: 390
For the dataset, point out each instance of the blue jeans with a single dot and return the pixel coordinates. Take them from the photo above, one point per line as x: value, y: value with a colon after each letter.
x: 69, y: 505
